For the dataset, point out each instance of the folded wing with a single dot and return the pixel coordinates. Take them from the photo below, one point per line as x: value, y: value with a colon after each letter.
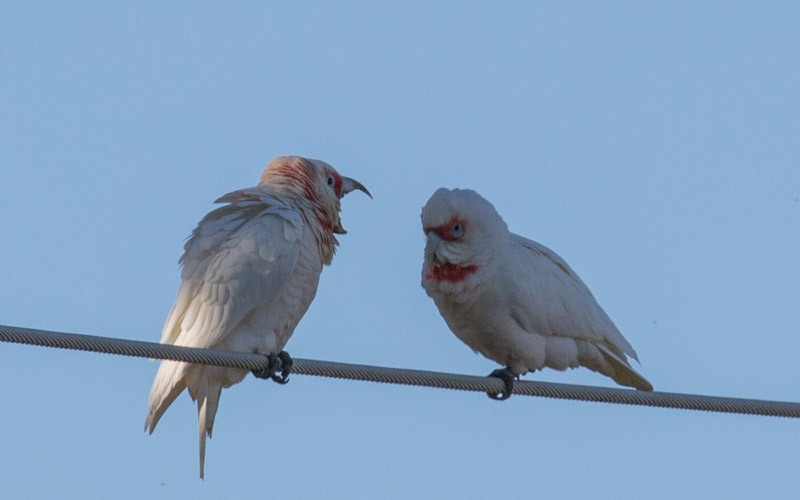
x: 558, y: 303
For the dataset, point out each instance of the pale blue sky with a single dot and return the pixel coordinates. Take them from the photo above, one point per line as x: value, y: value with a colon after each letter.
x: 655, y: 146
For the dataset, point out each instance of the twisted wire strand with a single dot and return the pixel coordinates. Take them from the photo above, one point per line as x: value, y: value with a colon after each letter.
x: 249, y: 361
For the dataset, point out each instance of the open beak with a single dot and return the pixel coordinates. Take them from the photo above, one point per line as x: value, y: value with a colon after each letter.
x: 349, y: 185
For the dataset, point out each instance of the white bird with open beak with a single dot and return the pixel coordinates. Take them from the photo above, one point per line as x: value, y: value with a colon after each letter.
x: 250, y: 271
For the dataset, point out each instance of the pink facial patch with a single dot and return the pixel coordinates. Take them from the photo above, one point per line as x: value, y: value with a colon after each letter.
x: 445, y: 231
x: 450, y: 272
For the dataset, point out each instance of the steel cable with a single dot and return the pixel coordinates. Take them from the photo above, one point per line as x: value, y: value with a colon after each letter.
x: 249, y: 361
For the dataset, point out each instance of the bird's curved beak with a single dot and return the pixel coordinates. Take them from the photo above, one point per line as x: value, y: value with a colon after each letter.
x: 432, y: 242
x: 349, y: 185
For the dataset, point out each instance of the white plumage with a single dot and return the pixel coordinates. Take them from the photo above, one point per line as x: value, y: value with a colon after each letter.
x: 250, y: 271
x: 514, y: 300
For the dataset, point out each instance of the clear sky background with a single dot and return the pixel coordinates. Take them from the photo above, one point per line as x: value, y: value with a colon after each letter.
x: 655, y: 146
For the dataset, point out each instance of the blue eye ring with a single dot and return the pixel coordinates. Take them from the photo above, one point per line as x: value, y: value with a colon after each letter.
x: 458, y: 230
x: 330, y: 180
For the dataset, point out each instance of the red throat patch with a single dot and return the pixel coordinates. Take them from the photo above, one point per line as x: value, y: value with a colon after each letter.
x: 450, y: 272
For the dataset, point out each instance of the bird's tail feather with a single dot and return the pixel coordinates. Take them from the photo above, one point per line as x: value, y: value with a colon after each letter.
x: 205, y: 386
x: 172, y: 378
x: 168, y: 384
x: 207, y: 396
x: 624, y: 374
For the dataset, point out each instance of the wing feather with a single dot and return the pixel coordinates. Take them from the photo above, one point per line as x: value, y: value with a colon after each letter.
x: 240, y: 256
x: 564, y: 304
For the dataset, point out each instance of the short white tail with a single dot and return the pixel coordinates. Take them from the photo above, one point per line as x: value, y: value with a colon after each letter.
x: 172, y: 378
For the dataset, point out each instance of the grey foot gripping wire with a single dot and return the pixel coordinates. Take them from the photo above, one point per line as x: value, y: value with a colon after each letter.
x: 248, y: 361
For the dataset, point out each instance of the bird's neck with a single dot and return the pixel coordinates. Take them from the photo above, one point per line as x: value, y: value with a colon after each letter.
x: 320, y: 226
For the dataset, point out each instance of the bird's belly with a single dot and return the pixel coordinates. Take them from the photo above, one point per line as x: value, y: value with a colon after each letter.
x: 267, y: 328
x: 490, y: 332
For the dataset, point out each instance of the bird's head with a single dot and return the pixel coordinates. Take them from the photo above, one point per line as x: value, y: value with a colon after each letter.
x: 314, y: 181
x: 463, y: 232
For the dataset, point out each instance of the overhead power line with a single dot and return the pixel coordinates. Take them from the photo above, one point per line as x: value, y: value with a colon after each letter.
x: 249, y: 361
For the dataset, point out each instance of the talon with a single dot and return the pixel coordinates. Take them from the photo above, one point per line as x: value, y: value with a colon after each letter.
x: 269, y: 371
x: 507, y: 376
x: 286, y: 363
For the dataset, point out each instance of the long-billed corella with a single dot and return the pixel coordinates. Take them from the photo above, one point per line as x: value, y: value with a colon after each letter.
x: 514, y: 300
x: 250, y: 271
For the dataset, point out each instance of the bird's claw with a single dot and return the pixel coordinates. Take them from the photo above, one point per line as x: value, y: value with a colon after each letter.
x: 280, y: 362
x: 285, y: 366
x: 508, y: 377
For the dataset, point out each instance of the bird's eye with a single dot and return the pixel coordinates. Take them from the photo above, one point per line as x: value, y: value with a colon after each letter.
x: 458, y: 230
x: 330, y: 180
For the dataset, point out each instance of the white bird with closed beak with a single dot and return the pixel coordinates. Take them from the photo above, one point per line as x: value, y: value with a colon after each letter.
x: 513, y: 300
